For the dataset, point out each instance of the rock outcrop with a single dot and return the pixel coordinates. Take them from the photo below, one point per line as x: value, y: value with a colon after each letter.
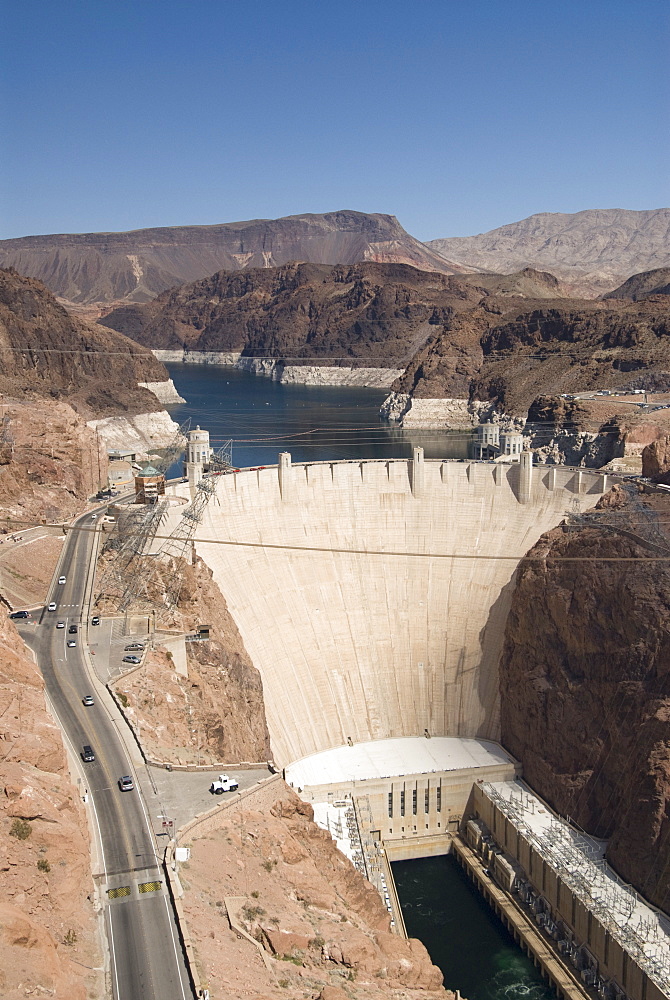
x: 50, y: 462
x: 48, y: 938
x: 585, y: 680
x: 591, y: 251
x: 46, y: 352
x: 366, y: 314
x: 136, y: 266
x: 216, y: 714
x: 322, y: 926
x: 643, y: 285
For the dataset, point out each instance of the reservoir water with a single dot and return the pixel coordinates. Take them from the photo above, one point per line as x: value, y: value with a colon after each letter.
x: 314, y: 423
x: 463, y: 936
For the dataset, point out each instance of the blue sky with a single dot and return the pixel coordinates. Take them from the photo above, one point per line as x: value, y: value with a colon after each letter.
x: 456, y: 117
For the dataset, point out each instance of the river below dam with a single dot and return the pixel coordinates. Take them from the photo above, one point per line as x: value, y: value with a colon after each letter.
x: 314, y: 423
x: 463, y: 936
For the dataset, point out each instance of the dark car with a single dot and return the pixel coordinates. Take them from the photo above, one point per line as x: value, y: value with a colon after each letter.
x: 87, y: 753
x: 20, y: 614
x: 73, y: 630
x: 88, y: 700
x: 131, y: 659
x: 95, y: 620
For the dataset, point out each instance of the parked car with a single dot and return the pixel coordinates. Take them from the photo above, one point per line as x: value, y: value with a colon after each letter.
x: 73, y: 629
x: 126, y: 783
x: 134, y: 645
x: 20, y: 614
x: 51, y: 606
x: 95, y: 620
x: 88, y: 700
x: 71, y: 643
x: 60, y: 624
x: 223, y: 784
x: 62, y: 579
x: 131, y: 659
x: 87, y: 753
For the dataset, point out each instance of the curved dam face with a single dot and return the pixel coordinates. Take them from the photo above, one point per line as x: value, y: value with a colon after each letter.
x: 372, y: 596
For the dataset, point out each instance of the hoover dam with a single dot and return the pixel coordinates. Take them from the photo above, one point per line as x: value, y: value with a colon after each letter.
x: 372, y: 595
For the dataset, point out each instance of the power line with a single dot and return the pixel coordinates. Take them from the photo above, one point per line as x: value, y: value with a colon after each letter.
x: 389, y: 553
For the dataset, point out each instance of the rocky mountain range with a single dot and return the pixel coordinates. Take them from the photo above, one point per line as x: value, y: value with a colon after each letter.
x: 380, y: 313
x: 456, y: 338
x: 137, y: 266
x: 592, y: 251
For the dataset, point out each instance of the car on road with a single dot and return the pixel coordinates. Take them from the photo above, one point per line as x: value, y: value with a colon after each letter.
x: 126, y: 783
x: 134, y: 645
x: 62, y: 579
x: 88, y: 700
x: 95, y: 620
x: 71, y: 643
x: 87, y: 753
x: 73, y: 629
x: 51, y: 606
x: 94, y: 517
x: 60, y: 624
x: 20, y: 614
x: 131, y: 659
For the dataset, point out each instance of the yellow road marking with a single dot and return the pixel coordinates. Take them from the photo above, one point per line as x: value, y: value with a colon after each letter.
x: 149, y: 886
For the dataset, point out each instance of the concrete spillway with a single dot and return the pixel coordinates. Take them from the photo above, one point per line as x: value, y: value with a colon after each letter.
x: 372, y: 596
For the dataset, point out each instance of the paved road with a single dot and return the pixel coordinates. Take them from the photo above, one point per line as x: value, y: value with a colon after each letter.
x: 146, y: 957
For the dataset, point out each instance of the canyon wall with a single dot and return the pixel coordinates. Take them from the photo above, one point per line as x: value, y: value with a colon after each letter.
x: 585, y: 680
x: 48, y: 936
x: 374, y: 604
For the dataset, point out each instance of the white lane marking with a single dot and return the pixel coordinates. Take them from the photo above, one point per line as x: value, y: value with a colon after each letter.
x: 115, y: 992
x: 174, y: 944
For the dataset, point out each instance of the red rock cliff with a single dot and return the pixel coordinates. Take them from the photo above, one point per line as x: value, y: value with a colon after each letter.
x: 585, y: 681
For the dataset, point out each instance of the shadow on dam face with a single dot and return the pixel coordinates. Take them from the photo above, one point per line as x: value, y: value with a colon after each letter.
x: 372, y: 611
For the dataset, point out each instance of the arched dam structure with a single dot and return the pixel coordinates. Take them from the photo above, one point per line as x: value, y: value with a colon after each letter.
x: 372, y: 595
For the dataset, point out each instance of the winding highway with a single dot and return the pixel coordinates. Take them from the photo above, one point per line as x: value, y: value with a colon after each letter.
x: 146, y: 959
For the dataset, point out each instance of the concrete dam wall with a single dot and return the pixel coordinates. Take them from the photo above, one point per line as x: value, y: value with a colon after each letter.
x: 372, y: 595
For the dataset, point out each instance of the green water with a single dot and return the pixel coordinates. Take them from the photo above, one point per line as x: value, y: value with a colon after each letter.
x: 463, y: 936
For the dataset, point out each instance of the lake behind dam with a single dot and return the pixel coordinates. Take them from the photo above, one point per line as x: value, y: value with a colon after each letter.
x: 314, y: 423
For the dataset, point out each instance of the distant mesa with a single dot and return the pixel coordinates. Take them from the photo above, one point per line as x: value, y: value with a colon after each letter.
x: 136, y: 266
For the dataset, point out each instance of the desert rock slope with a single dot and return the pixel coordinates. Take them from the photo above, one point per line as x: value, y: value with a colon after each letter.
x: 594, y: 250
x: 48, y: 937
x: 322, y: 928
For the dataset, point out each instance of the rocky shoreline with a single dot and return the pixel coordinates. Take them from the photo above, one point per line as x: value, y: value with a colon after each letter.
x: 279, y: 371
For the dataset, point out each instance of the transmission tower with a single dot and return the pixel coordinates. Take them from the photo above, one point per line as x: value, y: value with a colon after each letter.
x: 222, y: 460
x: 174, y: 547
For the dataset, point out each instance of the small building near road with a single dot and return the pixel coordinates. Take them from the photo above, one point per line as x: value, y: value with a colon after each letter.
x: 149, y: 485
